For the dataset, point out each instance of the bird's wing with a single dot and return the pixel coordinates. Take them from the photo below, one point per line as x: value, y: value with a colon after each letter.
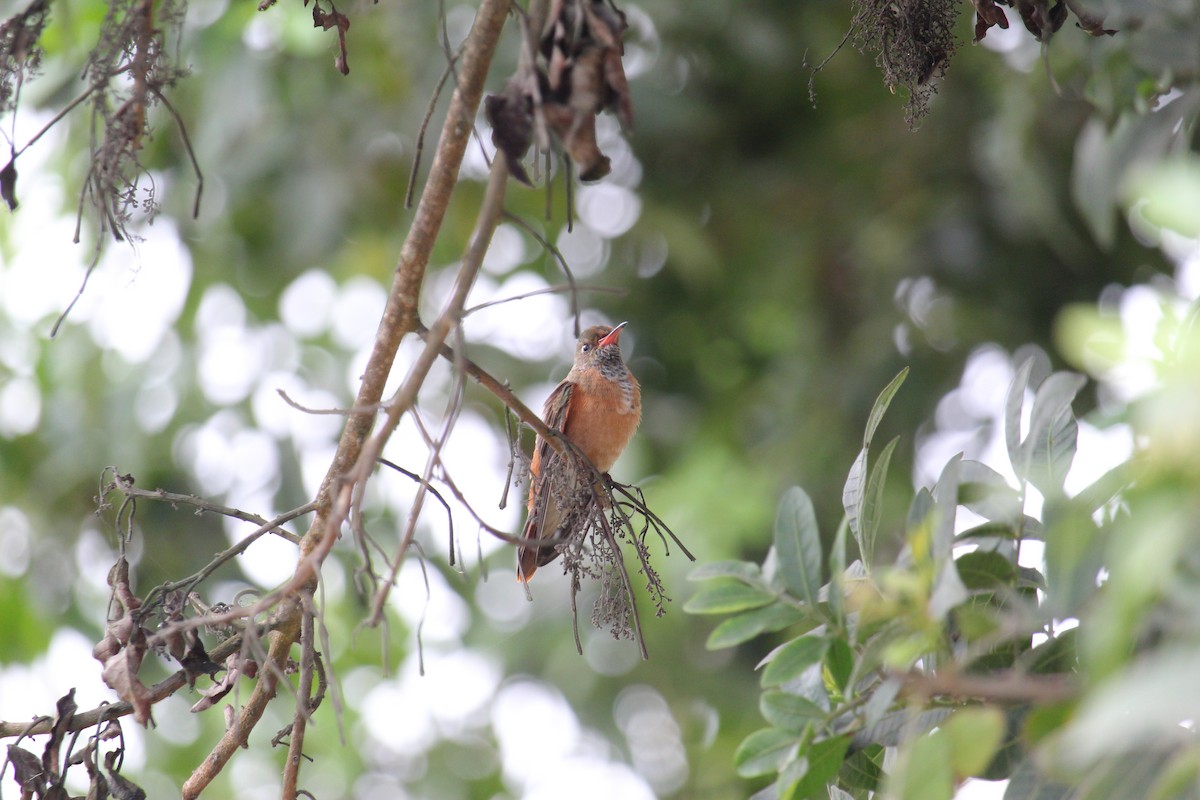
x: 556, y: 414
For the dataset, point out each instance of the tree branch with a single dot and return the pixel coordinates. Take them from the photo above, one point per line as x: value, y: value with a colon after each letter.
x: 1001, y: 687
x: 399, y: 318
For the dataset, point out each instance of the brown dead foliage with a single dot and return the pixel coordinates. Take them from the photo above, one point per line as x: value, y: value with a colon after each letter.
x: 574, y: 73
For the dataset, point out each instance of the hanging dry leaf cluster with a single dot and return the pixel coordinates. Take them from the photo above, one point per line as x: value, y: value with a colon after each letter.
x: 571, y: 72
x: 44, y: 777
x: 127, y: 640
x: 914, y: 40
x: 1040, y: 17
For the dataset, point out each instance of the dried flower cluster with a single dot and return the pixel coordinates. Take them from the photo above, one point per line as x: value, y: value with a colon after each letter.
x: 600, y: 515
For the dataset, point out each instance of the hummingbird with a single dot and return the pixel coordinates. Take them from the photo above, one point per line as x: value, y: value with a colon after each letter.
x: 598, y: 406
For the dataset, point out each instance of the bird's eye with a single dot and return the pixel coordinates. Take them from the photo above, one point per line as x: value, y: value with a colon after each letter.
x: 586, y: 348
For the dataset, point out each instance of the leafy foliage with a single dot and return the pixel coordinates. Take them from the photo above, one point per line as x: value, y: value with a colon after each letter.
x: 962, y: 657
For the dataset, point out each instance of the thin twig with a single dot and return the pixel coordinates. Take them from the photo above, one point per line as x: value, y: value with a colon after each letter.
x: 187, y: 144
x: 489, y: 215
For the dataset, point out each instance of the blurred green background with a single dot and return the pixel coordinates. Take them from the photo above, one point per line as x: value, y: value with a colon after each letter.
x: 778, y: 261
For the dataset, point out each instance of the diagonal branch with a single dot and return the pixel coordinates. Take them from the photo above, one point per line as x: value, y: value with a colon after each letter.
x: 399, y: 319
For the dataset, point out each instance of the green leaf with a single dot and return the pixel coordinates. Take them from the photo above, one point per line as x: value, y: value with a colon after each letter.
x: 855, y: 492
x: 881, y: 405
x: 725, y: 597
x: 982, y: 569
x: 975, y: 735
x: 1049, y: 449
x: 945, y: 494
x: 746, y: 626
x: 1179, y: 778
x: 925, y: 771
x: 1013, y: 404
x: 862, y: 769
x: 1045, y: 720
x: 788, y: 661
x: 745, y: 571
x: 1027, y: 783
x: 1029, y: 528
x: 984, y: 491
x: 1057, y: 655
x: 1105, y: 488
x: 852, y: 495
x: 1161, y: 686
x: 948, y: 592
x: 798, y: 545
x: 918, y: 512
x: 895, y: 726
x: 839, y: 660
x: 872, y: 504
x: 835, y: 597
x: 764, y: 752
x: 824, y: 760
x: 789, y: 711
x: 885, y: 694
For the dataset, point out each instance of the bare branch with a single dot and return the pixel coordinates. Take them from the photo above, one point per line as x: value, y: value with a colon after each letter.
x: 1002, y: 687
x: 86, y: 719
x: 400, y: 317
x: 489, y: 216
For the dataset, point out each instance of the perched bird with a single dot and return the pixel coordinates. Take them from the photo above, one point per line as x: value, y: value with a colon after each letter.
x: 598, y: 406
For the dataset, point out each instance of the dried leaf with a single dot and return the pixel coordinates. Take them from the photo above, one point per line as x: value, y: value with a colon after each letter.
x: 334, y: 19
x: 619, y: 99
x: 235, y: 666
x: 987, y: 14
x: 8, y: 185
x: 578, y: 135
x: 510, y: 114
x: 121, y: 675
x: 196, y: 661
x: 121, y: 787
x: 27, y: 770
x: 66, y: 708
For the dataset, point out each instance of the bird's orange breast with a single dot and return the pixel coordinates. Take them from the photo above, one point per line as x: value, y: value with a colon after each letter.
x: 602, y: 418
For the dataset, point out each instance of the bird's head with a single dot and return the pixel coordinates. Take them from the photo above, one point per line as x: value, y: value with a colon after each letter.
x: 598, y: 345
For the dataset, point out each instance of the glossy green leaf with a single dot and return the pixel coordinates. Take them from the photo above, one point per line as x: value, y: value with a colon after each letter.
x: 798, y: 546
x: 747, y: 625
x: 788, y: 661
x: 764, y: 752
x: 789, y: 711
x: 726, y: 597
